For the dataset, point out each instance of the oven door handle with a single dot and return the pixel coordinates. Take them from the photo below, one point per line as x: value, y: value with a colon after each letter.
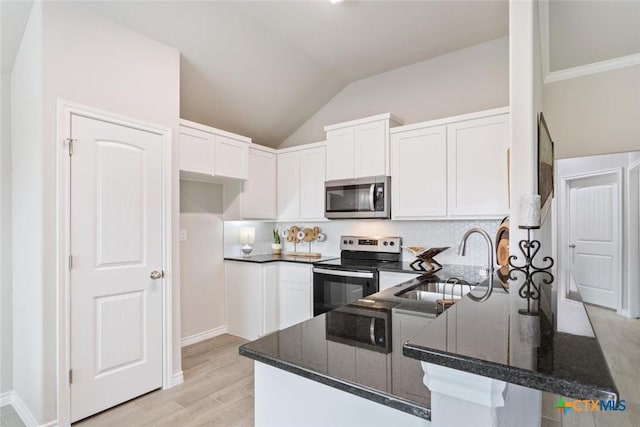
x: 359, y: 274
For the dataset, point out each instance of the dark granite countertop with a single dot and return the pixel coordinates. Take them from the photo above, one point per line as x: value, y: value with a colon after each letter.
x: 264, y: 258
x: 476, y: 337
x: 490, y: 339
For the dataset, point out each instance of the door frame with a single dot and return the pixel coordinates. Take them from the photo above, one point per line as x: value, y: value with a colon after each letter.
x: 633, y: 234
x: 563, y: 231
x: 65, y: 110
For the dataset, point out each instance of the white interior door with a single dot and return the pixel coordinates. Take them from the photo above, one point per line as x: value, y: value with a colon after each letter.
x: 594, y: 238
x: 116, y: 244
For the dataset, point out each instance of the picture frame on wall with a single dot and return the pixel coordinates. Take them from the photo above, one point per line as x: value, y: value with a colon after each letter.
x: 545, y: 167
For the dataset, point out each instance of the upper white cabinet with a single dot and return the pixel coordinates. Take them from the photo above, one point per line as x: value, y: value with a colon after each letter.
x: 451, y: 168
x: 419, y: 173
x: 300, y: 181
x: 478, y: 167
x: 213, y: 152
x: 259, y: 190
x: 359, y: 148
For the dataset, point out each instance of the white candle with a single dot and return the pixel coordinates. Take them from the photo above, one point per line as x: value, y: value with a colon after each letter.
x: 530, y: 210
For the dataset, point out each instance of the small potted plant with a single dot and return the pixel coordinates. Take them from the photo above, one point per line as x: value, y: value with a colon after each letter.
x: 276, y: 246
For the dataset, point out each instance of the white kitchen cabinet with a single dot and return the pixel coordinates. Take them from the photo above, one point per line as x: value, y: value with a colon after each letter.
x: 452, y: 168
x: 388, y: 279
x: 300, y: 193
x: 196, y: 151
x: 296, y: 293
x: 405, y: 383
x: 478, y: 167
x: 259, y: 190
x: 359, y: 148
x: 211, y: 152
x: 231, y: 157
x: 419, y: 173
x: 252, y: 299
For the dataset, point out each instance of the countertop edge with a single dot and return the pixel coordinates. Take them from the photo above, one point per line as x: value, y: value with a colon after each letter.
x: 361, y: 391
x: 510, y: 374
x: 277, y: 258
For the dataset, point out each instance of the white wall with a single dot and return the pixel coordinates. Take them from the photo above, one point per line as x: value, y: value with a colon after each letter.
x: 413, y: 233
x: 77, y: 56
x: 464, y: 81
x: 595, y: 114
x: 30, y: 322
x: 202, y: 290
x: 6, y: 298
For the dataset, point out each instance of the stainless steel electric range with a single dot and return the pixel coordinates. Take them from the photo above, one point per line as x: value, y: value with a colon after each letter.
x: 355, y: 274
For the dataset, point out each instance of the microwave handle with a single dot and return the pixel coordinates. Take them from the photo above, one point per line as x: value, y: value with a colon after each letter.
x: 372, y: 331
x: 372, y: 201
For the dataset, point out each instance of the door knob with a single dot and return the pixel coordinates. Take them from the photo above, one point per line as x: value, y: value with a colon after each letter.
x: 572, y: 245
x: 155, y: 275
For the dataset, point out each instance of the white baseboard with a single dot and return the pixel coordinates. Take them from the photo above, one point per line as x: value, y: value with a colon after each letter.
x: 177, y: 378
x: 12, y: 398
x: 5, y: 398
x: 205, y: 335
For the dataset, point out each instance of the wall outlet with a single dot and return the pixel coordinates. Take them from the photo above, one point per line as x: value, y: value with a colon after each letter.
x: 482, y: 272
x: 183, y: 235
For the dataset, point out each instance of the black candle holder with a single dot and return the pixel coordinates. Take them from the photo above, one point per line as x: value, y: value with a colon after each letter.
x: 529, y: 289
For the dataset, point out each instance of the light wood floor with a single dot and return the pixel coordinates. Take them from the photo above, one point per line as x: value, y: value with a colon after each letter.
x: 217, y: 391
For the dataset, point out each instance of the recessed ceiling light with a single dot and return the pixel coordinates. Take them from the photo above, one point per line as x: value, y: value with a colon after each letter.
x: 336, y: 1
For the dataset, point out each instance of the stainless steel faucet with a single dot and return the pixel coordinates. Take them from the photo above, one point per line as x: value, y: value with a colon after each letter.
x: 462, y: 249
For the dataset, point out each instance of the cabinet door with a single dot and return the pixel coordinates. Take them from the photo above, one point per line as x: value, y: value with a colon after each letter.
x: 244, y: 299
x: 419, y: 173
x: 231, y: 157
x: 312, y: 169
x: 295, y: 294
x: 196, y: 151
x: 270, y: 306
x: 288, y: 186
x: 340, y: 154
x: 371, y: 153
x: 259, y: 194
x: 405, y: 382
x: 477, y: 159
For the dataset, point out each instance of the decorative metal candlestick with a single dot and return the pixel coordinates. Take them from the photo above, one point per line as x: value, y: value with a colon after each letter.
x: 529, y: 248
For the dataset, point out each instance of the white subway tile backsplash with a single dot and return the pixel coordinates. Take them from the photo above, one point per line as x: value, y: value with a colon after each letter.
x: 413, y: 233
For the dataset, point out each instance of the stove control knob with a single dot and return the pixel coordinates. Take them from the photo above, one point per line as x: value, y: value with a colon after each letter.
x: 344, y: 241
x: 385, y: 243
x: 351, y: 242
x: 392, y: 243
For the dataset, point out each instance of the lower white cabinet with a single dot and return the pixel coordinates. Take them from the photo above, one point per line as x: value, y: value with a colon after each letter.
x: 406, y: 324
x: 263, y: 298
x: 252, y: 299
x: 389, y: 279
x: 296, y: 293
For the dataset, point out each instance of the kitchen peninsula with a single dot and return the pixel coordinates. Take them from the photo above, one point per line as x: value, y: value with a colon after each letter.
x: 322, y: 380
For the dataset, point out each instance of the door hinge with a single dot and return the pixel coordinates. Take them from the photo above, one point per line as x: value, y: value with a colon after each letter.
x: 70, y: 376
x: 70, y: 262
x: 70, y: 142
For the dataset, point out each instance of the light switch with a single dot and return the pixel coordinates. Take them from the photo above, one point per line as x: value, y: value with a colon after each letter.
x: 183, y: 235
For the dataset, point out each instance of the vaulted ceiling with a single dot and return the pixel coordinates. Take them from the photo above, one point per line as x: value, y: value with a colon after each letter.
x: 262, y: 68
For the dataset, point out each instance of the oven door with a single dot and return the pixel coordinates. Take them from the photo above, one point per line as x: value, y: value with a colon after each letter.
x: 335, y: 288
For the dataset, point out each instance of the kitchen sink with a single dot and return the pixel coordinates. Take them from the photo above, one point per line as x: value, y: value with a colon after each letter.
x: 435, y: 291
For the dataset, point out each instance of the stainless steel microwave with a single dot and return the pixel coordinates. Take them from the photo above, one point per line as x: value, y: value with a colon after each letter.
x: 358, y: 198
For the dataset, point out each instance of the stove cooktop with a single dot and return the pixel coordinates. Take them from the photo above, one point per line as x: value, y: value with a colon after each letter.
x: 356, y: 264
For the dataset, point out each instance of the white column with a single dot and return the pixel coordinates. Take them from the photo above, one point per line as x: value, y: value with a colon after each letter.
x: 463, y: 399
